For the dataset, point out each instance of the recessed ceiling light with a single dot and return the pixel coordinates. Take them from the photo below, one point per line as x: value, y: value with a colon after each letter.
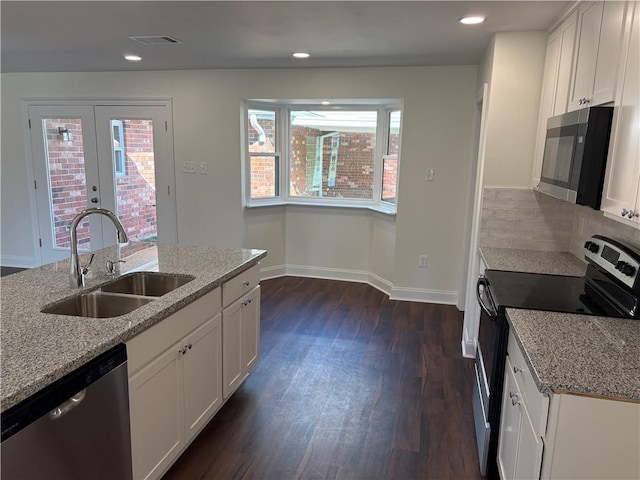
x: 471, y: 20
x: 301, y: 55
x: 326, y: 102
x: 133, y: 58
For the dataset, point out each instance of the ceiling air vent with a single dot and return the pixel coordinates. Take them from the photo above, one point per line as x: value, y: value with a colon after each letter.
x: 155, y: 39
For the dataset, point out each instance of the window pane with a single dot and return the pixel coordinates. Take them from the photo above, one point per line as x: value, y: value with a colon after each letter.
x: 264, y: 176
x: 389, y: 178
x: 332, y: 154
x: 261, y: 131
x: 393, y: 145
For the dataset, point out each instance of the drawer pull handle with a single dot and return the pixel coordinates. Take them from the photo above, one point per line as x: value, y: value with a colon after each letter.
x: 511, y: 394
x: 515, y: 400
x: 517, y: 370
x: 246, y: 284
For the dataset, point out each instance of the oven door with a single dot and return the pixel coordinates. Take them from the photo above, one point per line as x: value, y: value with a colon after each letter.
x: 485, y: 352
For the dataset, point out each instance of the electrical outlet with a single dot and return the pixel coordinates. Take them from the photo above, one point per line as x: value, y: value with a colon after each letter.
x: 188, y: 167
x: 203, y: 168
x: 422, y: 261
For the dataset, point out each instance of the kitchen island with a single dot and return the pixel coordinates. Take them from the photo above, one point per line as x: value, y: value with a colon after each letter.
x: 40, y: 348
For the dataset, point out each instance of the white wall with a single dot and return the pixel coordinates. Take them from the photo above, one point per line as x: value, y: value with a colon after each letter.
x: 206, y: 105
x: 515, y: 61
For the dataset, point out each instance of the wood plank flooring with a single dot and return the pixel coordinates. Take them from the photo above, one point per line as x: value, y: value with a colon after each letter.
x: 350, y: 385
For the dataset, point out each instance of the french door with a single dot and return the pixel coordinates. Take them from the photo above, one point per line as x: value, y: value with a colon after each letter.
x: 114, y: 157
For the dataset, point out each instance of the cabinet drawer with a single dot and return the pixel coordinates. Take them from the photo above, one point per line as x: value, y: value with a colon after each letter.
x: 238, y: 286
x: 537, y: 405
x: 144, y: 347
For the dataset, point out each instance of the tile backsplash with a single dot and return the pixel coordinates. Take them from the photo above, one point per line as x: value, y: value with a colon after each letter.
x: 524, y: 218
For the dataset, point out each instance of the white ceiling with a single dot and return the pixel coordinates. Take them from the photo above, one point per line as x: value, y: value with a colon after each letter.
x: 93, y: 35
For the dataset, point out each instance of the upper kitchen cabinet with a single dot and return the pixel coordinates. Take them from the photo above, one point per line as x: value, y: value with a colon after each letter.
x: 621, y: 197
x: 597, y: 53
x: 555, y: 83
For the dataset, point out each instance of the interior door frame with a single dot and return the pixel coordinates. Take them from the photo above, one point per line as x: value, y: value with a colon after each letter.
x: 94, y: 102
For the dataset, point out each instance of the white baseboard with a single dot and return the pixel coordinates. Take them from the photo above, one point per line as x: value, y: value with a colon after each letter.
x: 17, y: 261
x: 468, y: 346
x: 360, y: 276
x: 423, y: 295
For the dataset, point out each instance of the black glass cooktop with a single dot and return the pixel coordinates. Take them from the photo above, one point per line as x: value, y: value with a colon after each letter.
x: 557, y: 293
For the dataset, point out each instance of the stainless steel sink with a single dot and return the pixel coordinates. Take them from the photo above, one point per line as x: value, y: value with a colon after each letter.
x: 97, y: 304
x: 149, y: 284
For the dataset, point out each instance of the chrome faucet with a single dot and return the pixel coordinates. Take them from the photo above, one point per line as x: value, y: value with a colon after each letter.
x: 78, y: 271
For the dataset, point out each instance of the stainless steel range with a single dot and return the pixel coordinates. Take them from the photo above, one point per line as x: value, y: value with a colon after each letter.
x: 610, y: 287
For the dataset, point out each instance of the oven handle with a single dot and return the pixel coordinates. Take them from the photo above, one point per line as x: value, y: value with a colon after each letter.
x: 484, y: 285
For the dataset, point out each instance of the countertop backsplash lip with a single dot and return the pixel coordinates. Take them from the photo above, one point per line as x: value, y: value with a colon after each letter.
x: 39, y: 348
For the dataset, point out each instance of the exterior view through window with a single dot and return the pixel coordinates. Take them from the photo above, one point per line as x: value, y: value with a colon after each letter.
x: 332, y: 154
x: 345, y: 155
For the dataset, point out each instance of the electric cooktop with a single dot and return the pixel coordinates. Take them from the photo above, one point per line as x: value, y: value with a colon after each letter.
x: 611, y: 286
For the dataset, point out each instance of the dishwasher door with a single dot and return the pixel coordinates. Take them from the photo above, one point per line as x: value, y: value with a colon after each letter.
x: 77, y: 428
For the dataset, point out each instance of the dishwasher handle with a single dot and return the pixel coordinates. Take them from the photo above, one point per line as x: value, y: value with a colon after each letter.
x: 67, y: 406
x: 482, y: 292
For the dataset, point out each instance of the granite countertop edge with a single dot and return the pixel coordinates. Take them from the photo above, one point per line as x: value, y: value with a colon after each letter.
x: 567, y: 370
x: 117, y: 330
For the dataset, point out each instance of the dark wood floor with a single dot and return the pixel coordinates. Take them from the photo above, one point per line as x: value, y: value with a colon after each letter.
x: 351, y: 385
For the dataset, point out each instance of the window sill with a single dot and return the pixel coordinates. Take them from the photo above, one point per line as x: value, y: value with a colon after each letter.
x: 386, y: 209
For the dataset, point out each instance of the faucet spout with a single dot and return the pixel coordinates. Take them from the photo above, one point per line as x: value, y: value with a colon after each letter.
x: 77, y: 271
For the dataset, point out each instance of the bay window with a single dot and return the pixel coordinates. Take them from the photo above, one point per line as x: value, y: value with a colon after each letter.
x: 343, y: 155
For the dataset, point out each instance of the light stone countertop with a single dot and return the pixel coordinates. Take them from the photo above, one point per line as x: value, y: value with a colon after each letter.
x: 533, y: 261
x: 580, y: 354
x: 570, y: 353
x: 38, y: 348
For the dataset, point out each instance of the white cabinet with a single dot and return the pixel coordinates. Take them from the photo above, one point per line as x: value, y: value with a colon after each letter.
x: 241, y: 338
x: 522, y: 422
x: 597, y: 53
x: 555, y: 85
x: 563, y: 436
x: 590, y: 437
x: 175, y: 387
x: 621, y: 196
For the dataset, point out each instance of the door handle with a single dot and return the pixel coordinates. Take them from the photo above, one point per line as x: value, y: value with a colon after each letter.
x: 483, y: 284
x: 66, y: 407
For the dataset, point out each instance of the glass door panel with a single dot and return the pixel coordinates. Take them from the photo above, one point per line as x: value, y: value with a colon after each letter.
x: 134, y: 171
x: 66, y: 177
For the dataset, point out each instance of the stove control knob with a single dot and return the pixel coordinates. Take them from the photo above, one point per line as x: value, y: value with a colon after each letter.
x: 592, y: 247
x: 628, y: 270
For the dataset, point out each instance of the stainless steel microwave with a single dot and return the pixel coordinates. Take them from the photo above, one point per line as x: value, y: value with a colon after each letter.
x: 575, y: 156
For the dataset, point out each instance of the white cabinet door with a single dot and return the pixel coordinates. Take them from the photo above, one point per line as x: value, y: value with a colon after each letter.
x: 202, y: 373
x: 622, y: 180
x: 251, y: 330
x: 611, y: 34
x: 241, y: 340
x: 155, y: 404
x: 567, y: 32
x: 590, y: 20
x: 530, y: 449
x: 510, y: 421
x: 232, y: 375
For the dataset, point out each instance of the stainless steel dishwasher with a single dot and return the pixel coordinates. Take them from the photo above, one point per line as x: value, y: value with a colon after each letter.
x: 76, y: 428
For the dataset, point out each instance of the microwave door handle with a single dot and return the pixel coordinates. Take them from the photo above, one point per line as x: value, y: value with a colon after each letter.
x: 483, y: 285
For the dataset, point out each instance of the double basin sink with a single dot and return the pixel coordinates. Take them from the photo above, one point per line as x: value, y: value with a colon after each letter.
x: 120, y: 296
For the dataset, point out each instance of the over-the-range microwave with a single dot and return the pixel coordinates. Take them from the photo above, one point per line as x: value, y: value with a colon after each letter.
x: 575, y: 155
